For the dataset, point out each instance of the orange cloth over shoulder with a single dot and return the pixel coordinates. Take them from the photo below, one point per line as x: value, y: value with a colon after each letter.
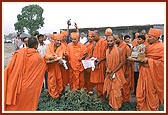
x: 134, y: 42
x: 112, y: 89
x: 150, y: 87
x: 55, y: 83
x: 75, y: 53
x: 23, y: 80
x: 128, y: 85
x: 99, y: 53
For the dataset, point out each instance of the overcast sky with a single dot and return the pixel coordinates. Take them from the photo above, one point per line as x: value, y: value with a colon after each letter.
x: 95, y: 14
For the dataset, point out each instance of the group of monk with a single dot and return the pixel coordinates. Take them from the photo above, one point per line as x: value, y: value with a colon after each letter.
x: 112, y: 78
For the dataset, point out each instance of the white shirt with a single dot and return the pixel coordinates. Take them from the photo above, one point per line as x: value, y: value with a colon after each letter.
x: 46, y: 42
x: 83, y: 40
x: 42, y: 49
x: 23, y: 46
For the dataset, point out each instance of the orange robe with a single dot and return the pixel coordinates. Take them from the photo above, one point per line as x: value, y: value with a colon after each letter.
x: 146, y: 41
x: 65, y: 73
x: 134, y: 42
x: 128, y: 84
x: 65, y: 43
x: 76, y: 52
x: 112, y: 88
x: 88, y: 85
x: 150, y: 87
x: 97, y: 76
x: 55, y: 83
x: 24, y: 78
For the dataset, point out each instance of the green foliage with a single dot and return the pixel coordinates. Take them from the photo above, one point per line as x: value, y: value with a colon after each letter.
x: 79, y: 100
x: 30, y: 18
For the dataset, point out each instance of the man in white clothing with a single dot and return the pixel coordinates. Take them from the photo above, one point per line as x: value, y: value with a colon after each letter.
x: 82, y: 38
x: 42, y: 50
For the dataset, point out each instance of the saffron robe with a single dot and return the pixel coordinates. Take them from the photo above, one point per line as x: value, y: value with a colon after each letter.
x: 150, y: 87
x: 55, y: 83
x: 24, y: 78
x: 113, y: 88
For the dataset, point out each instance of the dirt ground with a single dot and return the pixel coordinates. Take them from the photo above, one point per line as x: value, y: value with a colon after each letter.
x: 8, y: 50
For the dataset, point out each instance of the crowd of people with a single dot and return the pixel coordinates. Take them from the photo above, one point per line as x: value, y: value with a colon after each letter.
x: 121, y: 67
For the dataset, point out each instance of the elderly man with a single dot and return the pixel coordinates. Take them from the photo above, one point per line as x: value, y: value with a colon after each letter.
x: 76, y: 51
x: 150, y: 87
x: 55, y: 51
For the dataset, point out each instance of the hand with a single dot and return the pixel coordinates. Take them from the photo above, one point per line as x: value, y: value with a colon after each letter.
x: 130, y: 59
x: 97, y: 62
x: 76, y: 26
x: 79, y: 59
x: 111, y: 76
x: 52, y: 58
x: 69, y: 22
x: 145, y: 60
x: 108, y: 71
x: 60, y: 62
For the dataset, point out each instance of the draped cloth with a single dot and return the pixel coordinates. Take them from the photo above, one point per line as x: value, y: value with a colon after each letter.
x: 97, y: 76
x: 23, y: 77
x: 55, y: 83
x: 88, y: 85
x: 129, y: 84
x: 75, y: 53
x: 150, y: 87
x: 113, y: 88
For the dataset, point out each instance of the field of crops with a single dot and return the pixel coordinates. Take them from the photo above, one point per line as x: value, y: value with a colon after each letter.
x: 79, y: 100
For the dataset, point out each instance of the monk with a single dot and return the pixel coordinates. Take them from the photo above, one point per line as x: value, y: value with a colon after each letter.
x: 126, y: 52
x: 99, y: 52
x: 134, y: 42
x: 113, y: 85
x: 90, y: 47
x: 24, y: 77
x: 42, y: 50
x: 76, y: 51
x: 143, y: 32
x: 64, y: 37
x: 55, y: 51
x: 150, y: 87
x: 65, y: 73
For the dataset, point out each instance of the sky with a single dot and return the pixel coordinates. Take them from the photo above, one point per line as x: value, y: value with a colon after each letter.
x: 87, y: 14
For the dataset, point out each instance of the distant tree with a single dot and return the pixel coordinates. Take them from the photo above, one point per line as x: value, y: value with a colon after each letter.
x: 30, y: 18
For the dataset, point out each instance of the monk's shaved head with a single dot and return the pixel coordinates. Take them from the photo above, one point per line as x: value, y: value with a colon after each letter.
x: 110, y: 41
x: 32, y: 42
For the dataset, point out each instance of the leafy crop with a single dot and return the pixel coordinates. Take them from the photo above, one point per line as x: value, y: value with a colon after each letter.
x: 79, y: 100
